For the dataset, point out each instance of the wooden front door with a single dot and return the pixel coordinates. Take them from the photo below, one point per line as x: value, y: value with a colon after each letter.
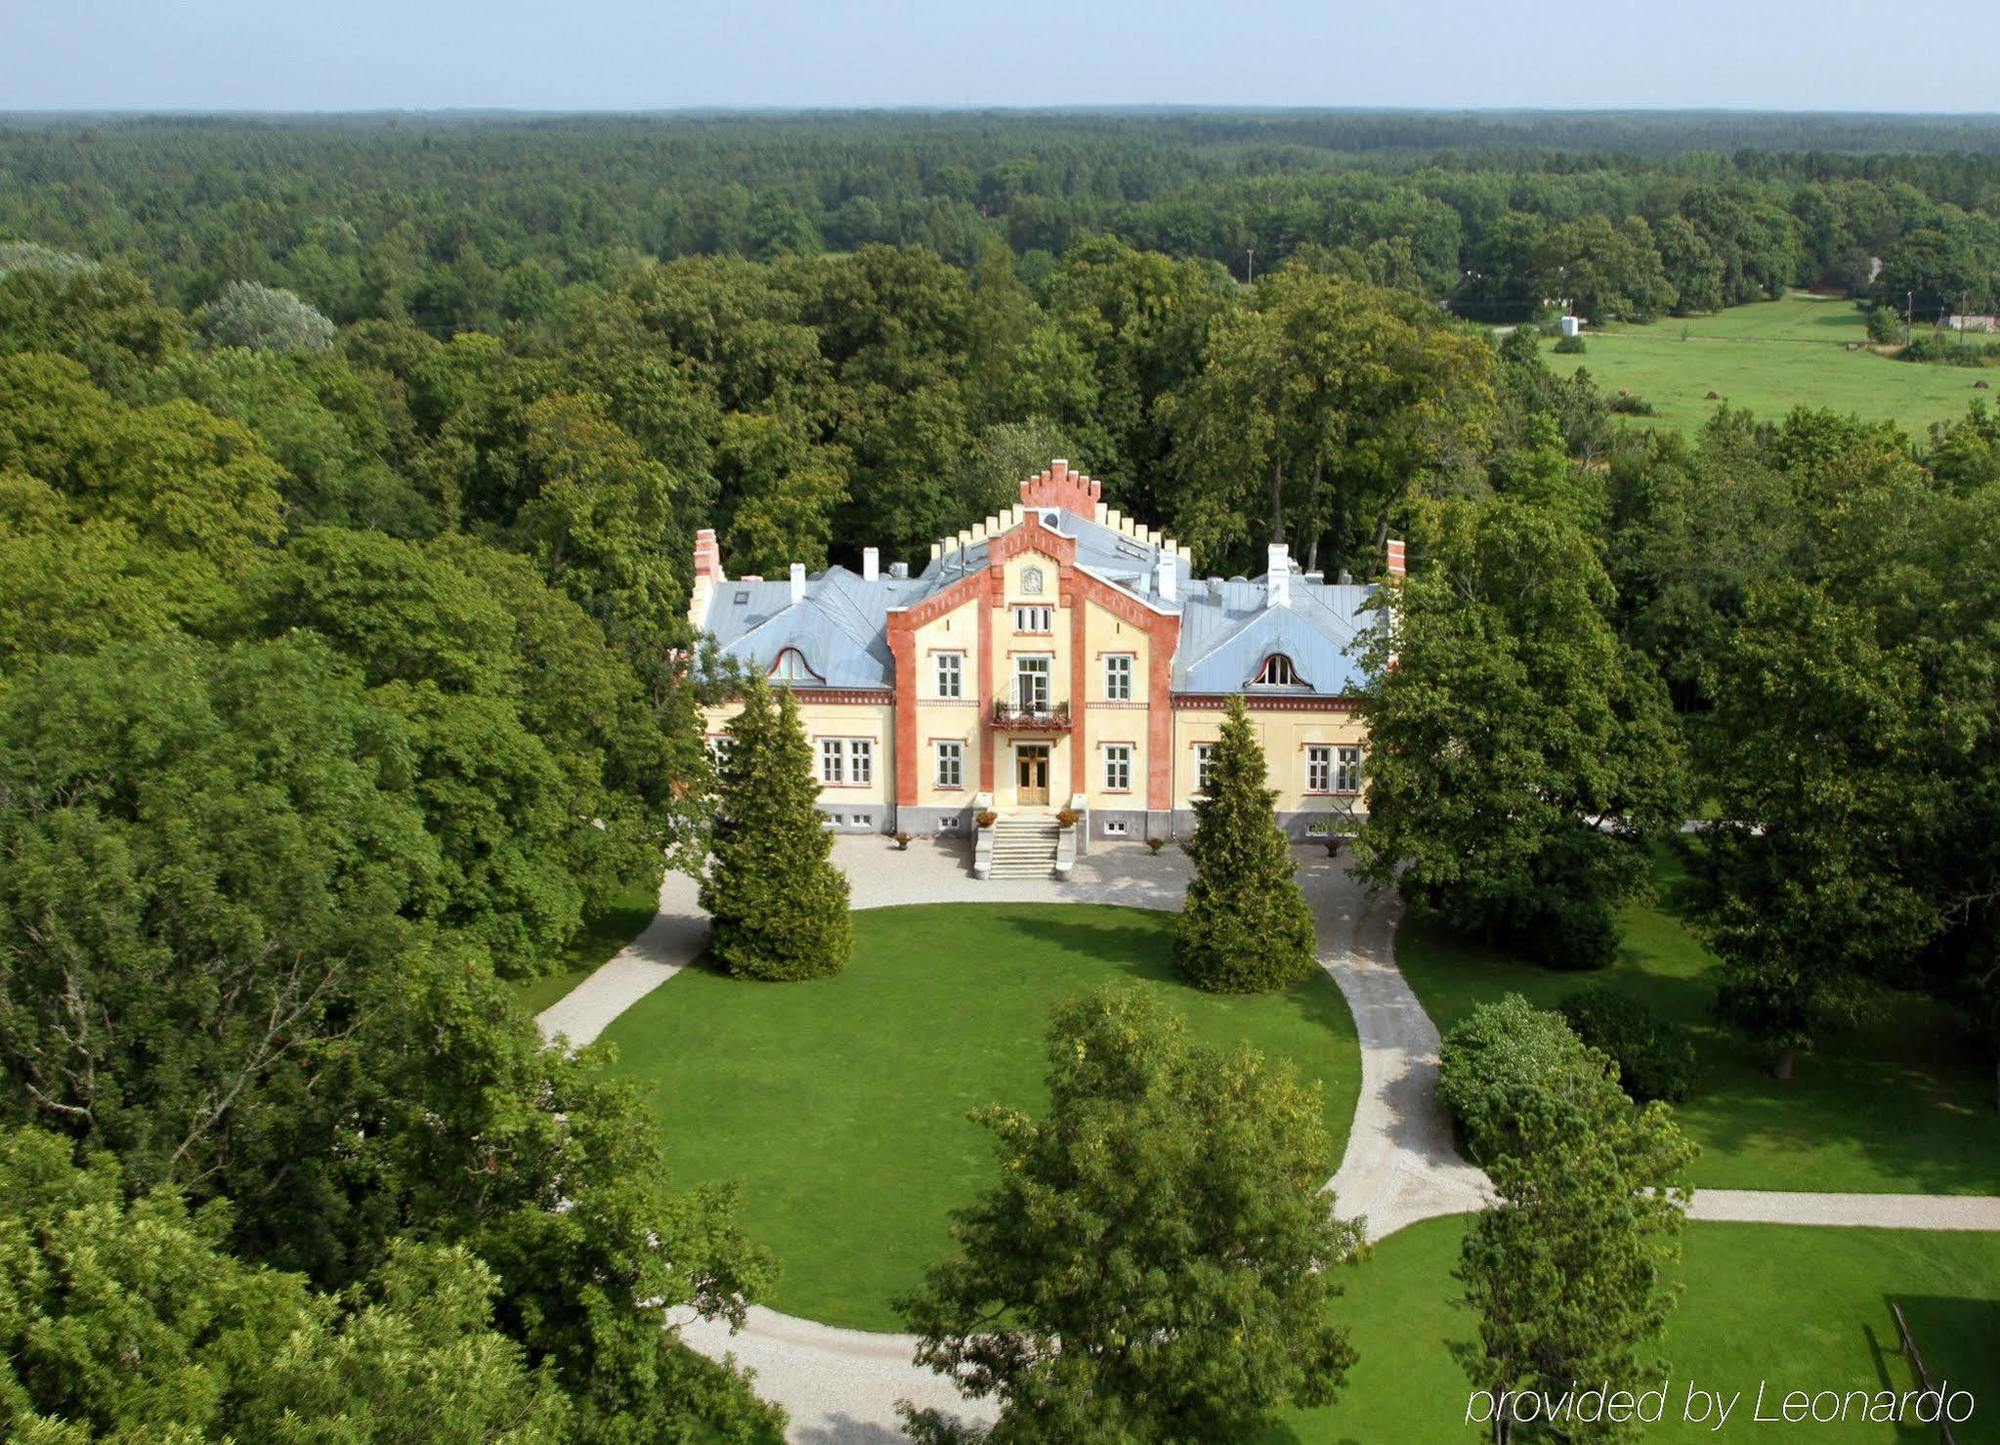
x: 1031, y: 775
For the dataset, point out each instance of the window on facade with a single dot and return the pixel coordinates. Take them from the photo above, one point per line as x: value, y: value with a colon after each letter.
x: 1114, y: 827
x: 846, y: 760
x: 1034, y: 619
x: 1347, y: 770
x: 1031, y: 683
x: 718, y: 749
x: 1319, y: 770
x: 1118, y: 767
x: 951, y: 674
x: 1204, y: 765
x: 1276, y: 672
x: 951, y: 765
x: 1118, y: 677
x: 791, y: 667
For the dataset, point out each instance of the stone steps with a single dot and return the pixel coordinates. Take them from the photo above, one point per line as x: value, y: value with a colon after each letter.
x: 1024, y: 848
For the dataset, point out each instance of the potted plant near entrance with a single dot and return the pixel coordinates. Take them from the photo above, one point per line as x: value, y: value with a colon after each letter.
x: 902, y: 842
x: 1066, y: 818
x: 987, y: 818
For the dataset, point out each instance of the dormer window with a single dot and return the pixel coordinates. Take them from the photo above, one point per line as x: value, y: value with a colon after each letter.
x: 1277, y: 671
x: 791, y: 667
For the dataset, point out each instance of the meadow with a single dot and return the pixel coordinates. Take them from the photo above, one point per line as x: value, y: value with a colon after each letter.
x: 1767, y: 358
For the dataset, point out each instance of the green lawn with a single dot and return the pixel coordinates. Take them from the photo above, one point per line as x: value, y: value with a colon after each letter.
x: 1769, y: 357
x: 603, y: 933
x: 1800, y: 1308
x: 839, y: 1105
x: 1903, y: 1104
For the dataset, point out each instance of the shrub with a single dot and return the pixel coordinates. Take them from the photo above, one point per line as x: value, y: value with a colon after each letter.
x: 1883, y: 327
x: 1626, y: 404
x: 1569, y: 345
x: 1509, y: 1060
x: 1656, y: 1059
x: 1946, y: 348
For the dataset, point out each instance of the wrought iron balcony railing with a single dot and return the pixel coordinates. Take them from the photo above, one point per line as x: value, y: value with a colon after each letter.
x: 1019, y: 717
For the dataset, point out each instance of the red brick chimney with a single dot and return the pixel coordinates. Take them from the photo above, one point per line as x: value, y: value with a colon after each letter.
x: 1393, y: 558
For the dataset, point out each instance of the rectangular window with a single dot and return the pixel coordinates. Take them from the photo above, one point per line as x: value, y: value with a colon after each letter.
x: 951, y: 674
x: 1118, y: 677
x: 847, y: 761
x: 951, y: 765
x: 1034, y: 619
x: 1347, y: 772
x: 1031, y: 683
x: 718, y: 749
x: 1204, y: 765
x: 1319, y: 770
x: 1114, y: 828
x: 1118, y: 767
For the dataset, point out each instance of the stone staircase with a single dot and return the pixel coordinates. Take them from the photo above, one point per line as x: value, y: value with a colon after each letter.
x: 1024, y: 848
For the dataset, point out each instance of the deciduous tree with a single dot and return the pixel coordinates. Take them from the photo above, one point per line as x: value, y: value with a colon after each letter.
x: 1155, y: 1262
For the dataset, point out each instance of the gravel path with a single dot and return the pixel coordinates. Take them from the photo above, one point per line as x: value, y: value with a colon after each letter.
x: 840, y: 1387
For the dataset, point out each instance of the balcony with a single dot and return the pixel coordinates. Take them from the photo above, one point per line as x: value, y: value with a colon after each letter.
x: 1016, y: 717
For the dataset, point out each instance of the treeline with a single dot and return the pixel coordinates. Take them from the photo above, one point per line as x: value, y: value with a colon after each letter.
x: 463, y: 225
x: 1792, y: 626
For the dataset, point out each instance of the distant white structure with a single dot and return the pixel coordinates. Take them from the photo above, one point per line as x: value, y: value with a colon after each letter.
x: 1571, y: 325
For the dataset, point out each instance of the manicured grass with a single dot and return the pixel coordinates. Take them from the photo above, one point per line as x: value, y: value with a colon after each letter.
x: 1902, y: 1104
x: 1798, y: 1307
x: 840, y: 1105
x: 603, y: 933
x: 1769, y: 357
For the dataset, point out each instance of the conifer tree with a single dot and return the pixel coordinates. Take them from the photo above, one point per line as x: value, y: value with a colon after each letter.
x: 1245, y: 927
x: 779, y: 904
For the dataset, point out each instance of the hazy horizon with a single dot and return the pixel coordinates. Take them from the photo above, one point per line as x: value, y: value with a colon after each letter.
x: 627, y: 57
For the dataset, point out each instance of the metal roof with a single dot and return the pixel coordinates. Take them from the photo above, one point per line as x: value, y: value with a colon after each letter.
x: 840, y: 625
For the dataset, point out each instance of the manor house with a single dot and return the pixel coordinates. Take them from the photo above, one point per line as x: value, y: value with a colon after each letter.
x: 1055, y: 656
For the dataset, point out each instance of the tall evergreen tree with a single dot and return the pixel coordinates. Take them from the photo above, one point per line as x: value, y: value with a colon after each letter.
x: 779, y: 904
x: 1245, y: 927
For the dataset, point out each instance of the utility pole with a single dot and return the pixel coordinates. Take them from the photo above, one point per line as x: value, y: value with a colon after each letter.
x: 1909, y: 315
x: 1250, y: 266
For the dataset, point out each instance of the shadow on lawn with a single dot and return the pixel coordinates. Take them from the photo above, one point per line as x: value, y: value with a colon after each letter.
x: 1143, y: 949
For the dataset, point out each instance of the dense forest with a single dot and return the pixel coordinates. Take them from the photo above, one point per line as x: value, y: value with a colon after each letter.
x: 350, y: 471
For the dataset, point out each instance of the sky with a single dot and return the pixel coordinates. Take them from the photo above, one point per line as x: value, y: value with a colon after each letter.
x: 298, y: 55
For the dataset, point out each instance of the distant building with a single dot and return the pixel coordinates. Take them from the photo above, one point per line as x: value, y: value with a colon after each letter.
x: 1570, y: 325
x: 1988, y: 324
x: 1054, y: 656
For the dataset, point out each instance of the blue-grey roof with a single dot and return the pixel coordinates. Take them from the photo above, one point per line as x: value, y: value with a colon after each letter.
x: 1104, y: 552
x: 840, y: 628
x: 1227, y: 630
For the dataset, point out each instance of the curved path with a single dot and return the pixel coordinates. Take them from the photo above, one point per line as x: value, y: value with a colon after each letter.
x: 840, y: 1387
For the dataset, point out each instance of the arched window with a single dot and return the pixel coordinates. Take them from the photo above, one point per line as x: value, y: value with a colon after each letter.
x: 1277, y: 671
x: 791, y: 667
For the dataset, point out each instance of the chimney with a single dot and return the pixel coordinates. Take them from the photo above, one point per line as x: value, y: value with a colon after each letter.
x: 900, y: 571
x: 1393, y: 556
x: 1166, y: 577
x: 798, y: 582
x: 1278, y: 576
x: 708, y: 576
x: 871, y: 563
x: 708, y: 556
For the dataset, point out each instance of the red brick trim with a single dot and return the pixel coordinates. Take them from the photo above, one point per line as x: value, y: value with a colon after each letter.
x: 1185, y: 701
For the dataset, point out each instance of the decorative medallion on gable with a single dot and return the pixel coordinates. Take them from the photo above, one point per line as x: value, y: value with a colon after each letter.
x: 1032, y: 581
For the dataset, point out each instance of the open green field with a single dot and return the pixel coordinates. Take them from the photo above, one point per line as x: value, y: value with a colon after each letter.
x: 1769, y: 357
x: 1798, y: 1307
x: 840, y: 1105
x: 1903, y: 1103
x: 603, y: 933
